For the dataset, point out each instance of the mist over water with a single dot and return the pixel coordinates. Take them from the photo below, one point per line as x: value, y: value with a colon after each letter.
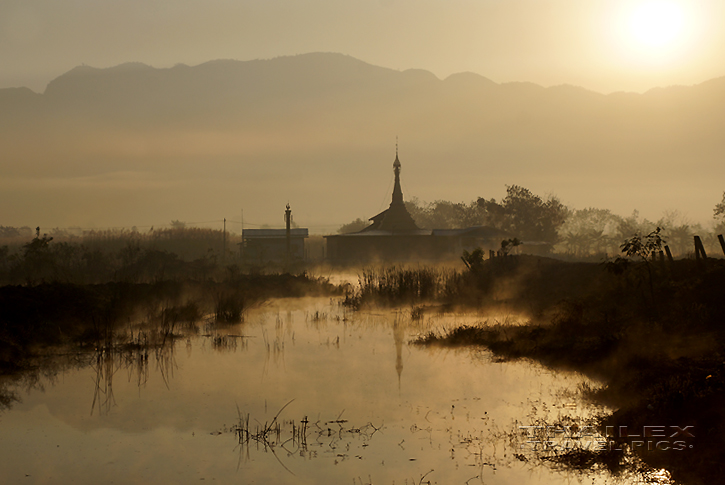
x: 378, y: 409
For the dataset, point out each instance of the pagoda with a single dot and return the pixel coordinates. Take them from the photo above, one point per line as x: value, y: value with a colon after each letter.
x: 396, y: 218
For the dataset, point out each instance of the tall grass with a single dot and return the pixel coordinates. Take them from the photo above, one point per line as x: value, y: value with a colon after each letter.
x: 395, y: 285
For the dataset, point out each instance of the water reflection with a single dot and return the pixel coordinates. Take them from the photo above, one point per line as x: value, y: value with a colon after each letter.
x: 398, y: 337
x: 134, y: 359
x: 302, y: 392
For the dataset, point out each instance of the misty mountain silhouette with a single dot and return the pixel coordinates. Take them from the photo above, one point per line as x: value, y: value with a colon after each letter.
x: 322, y: 81
x: 324, y: 118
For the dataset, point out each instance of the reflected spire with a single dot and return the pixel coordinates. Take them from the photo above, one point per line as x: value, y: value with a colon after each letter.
x: 398, y: 337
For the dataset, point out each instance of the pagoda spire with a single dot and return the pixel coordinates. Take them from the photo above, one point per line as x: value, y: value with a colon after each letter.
x: 395, y: 218
x: 397, y: 191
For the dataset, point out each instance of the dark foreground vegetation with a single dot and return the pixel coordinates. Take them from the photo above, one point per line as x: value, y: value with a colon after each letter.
x: 34, y: 317
x: 653, y: 332
x: 100, y: 289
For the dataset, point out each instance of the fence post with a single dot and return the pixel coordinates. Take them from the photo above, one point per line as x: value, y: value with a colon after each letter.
x: 700, y: 255
x: 699, y: 248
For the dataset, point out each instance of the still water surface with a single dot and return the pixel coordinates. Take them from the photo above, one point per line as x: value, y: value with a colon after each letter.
x: 374, y: 409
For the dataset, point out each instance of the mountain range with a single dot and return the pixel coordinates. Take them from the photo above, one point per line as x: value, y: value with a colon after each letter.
x: 138, y: 145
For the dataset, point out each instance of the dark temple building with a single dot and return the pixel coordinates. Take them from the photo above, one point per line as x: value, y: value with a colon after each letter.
x: 394, y: 236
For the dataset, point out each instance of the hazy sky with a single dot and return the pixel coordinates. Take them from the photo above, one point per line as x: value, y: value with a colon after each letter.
x: 603, y: 45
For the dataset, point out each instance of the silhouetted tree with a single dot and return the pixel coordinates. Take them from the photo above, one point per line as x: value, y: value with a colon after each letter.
x: 37, y: 263
x: 354, y: 226
x: 644, y: 248
x: 590, y: 231
x: 719, y: 210
x: 526, y: 215
x: 473, y: 260
x: 718, y: 213
x: 507, y: 245
x: 443, y: 214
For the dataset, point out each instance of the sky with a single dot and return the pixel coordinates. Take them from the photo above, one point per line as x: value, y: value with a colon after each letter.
x: 602, y: 45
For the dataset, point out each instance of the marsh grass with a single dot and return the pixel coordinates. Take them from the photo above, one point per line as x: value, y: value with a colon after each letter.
x: 530, y: 282
x: 393, y: 285
x: 229, y: 308
x: 659, y: 350
x: 303, y: 438
x: 133, y: 354
x: 300, y: 438
x: 227, y: 342
x: 34, y: 318
x: 316, y: 316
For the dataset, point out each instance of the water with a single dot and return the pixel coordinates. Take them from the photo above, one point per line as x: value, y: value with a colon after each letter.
x: 377, y: 410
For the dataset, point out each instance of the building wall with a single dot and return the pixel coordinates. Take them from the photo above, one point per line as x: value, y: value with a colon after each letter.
x: 265, y: 250
x: 401, y: 248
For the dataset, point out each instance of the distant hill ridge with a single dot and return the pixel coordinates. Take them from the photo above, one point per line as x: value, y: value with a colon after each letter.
x: 324, y: 117
x: 219, y: 83
x: 324, y: 68
x: 233, y: 84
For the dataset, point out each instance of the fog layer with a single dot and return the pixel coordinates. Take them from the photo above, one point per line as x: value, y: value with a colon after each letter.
x: 136, y: 145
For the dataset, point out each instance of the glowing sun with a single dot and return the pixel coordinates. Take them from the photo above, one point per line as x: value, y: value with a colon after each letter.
x: 657, y: 25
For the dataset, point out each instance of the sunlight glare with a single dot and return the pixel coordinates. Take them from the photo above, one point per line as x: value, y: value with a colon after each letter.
x: 657, y: 23
x: 657, y: 34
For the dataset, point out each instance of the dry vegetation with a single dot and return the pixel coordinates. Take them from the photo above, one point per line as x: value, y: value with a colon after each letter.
x: 651, y: 331
x: 73, y: 289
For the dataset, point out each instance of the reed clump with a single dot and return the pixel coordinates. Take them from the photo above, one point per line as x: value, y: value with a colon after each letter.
x: 394, y: 285
x: 229, y: 308
x: 298, y: 437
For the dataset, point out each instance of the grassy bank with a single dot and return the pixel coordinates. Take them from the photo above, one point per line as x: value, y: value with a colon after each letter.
x: 653, y: 333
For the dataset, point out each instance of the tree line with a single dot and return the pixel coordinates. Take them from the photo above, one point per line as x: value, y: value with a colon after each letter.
x: 578, y: 233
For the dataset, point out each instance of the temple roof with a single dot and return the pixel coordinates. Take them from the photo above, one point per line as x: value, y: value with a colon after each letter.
x: 395, y: 218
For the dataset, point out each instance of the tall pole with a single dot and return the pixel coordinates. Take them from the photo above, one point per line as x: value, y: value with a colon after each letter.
x: 224, y: 241
x: 288, y: 222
